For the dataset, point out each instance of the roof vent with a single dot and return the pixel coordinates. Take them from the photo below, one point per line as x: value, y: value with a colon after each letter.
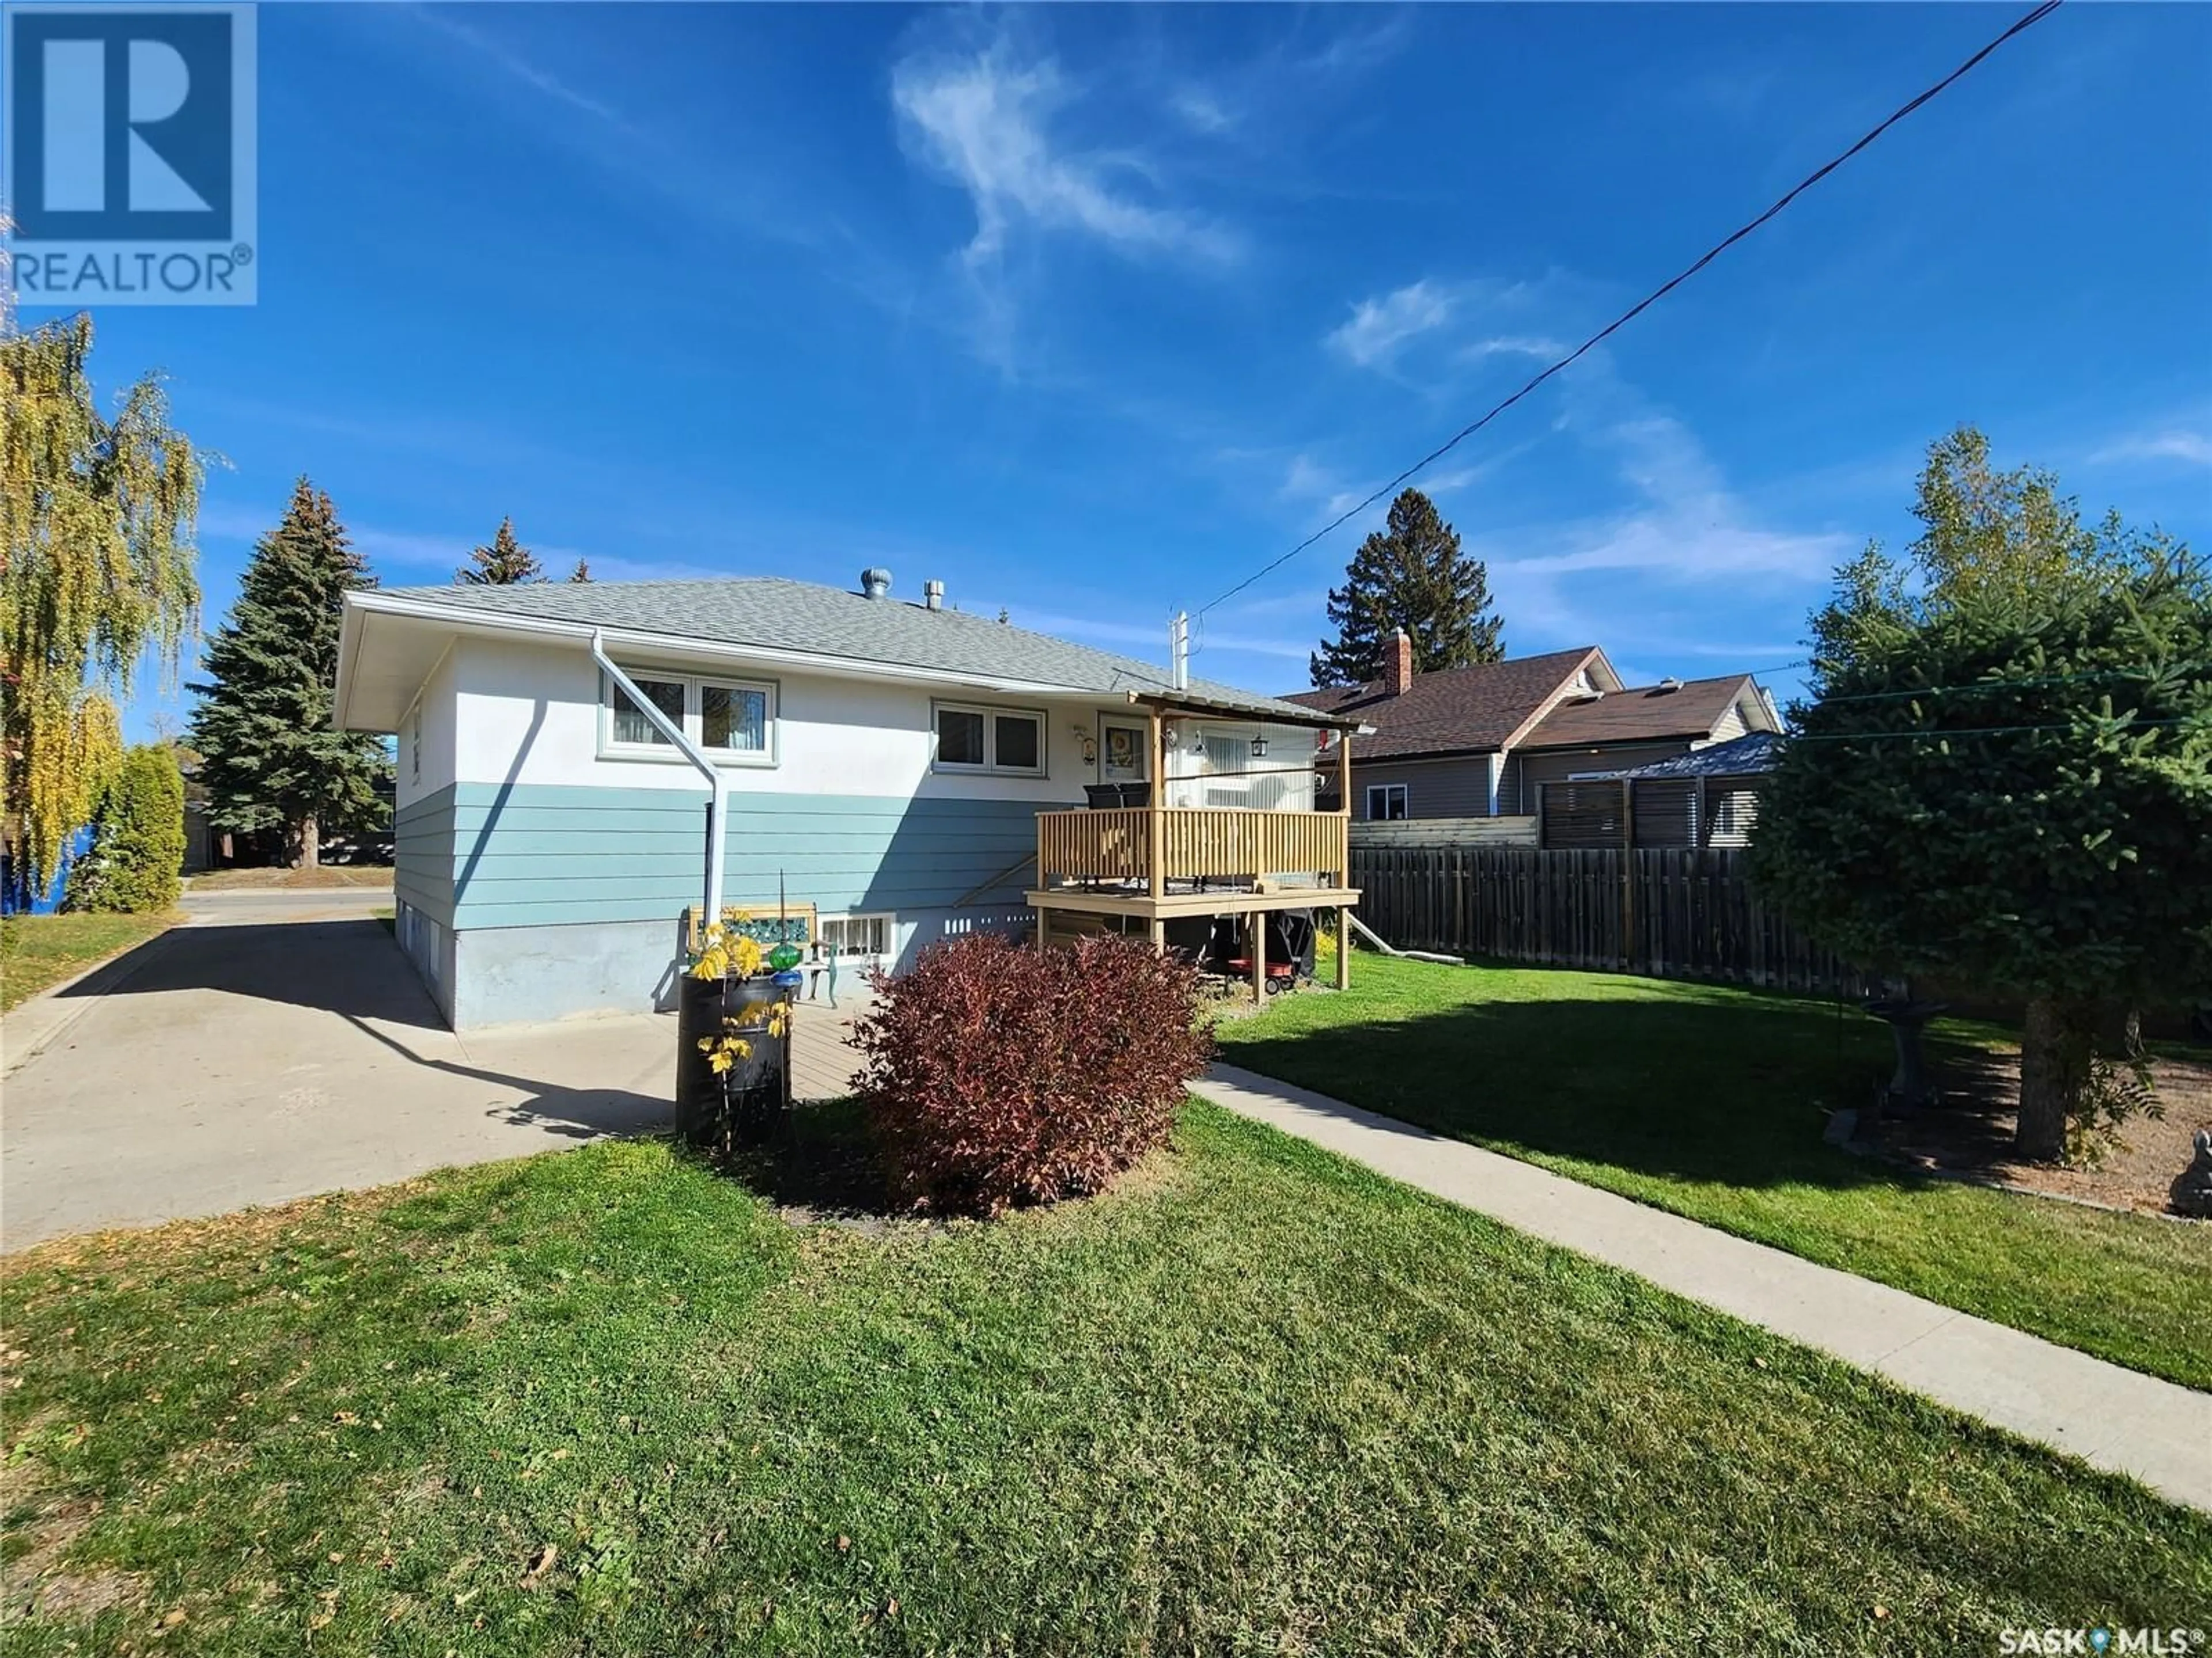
x: 875, y: 582
x: 933, y: 595
x: 1669, y: 683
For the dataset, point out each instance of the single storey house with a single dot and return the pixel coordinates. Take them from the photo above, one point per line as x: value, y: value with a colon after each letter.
x: 571, y: 756
x: 1482, y: 741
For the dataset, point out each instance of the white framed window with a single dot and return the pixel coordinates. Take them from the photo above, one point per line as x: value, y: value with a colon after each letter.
x: 733, y: 720
x: 986, y: 739
x: 850, y: 937
x: 1386, y: 803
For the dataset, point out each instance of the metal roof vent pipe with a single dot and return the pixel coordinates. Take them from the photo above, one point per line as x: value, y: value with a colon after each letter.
x: 875, y: 582
x: 933, y: 595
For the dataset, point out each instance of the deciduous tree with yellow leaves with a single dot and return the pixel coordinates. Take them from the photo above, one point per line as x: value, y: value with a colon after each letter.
x: 97, y: 515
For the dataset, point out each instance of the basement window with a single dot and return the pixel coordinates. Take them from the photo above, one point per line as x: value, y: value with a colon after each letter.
x: 847, y: 936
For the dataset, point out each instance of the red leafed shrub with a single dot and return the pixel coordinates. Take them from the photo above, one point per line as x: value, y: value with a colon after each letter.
x: 999, y: 1075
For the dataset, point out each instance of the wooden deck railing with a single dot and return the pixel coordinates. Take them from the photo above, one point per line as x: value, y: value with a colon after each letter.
x: 1218, y: 841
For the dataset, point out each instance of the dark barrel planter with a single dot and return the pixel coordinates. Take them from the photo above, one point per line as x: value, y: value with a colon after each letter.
x: 747, y: 1100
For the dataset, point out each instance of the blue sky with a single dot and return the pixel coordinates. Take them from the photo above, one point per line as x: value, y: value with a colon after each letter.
x: 1087, y: 311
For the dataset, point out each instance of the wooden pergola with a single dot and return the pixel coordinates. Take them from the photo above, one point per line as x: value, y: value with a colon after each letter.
x: 1157, y: 863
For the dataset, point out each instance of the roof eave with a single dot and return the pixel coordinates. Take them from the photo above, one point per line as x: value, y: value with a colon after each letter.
x: 1274, y: 712
x: 468, y: 619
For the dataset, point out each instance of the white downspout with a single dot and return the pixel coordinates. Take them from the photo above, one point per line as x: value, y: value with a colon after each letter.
x: 717, y: 787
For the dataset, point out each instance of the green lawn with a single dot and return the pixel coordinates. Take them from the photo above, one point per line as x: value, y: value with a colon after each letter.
x: 39, y: 950
x: 1709, y: 1101
x: 1258, y: 1400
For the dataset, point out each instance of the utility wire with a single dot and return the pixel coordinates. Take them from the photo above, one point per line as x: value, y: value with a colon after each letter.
x: 2147, y: 671
x: 1943, y: 732
x: 2019, y: 27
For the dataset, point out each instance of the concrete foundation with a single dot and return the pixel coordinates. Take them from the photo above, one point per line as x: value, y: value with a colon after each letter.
x: 481, y: 976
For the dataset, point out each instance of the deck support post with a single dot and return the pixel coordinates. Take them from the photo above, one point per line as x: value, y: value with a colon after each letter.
x: 1259, y: 958
x: 1343, y: 948
x: 1155, y: 820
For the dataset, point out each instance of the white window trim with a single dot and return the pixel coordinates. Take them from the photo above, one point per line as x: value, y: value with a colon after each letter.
x: 990, y: 767
x: 692, y: 682
x: 888, y: 953
x: 1368, y: 802
x: 415, y: 742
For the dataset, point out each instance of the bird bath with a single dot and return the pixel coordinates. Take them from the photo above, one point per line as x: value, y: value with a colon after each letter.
x: 1909, y: 1090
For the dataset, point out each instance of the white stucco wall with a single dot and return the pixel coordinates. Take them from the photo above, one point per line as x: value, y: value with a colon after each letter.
x: 437, y: 708
x: 530, y: 714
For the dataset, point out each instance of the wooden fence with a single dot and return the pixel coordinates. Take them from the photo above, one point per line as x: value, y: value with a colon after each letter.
x: 1447, y: 832
x: 1672, y: 913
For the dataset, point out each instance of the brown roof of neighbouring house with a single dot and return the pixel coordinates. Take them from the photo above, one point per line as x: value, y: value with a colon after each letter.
x: 1647, y: 713
x: 1453, y: 710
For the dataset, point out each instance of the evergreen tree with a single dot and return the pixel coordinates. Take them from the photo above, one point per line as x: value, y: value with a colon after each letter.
x: 138, y: 837
x: 2001, y: 779
x: 269, y: 757
x: 506, y: 563
x: 581, y: 573
x: 1410, y: 574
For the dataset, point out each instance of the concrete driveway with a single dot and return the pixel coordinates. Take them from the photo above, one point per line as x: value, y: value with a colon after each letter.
x: 277, y: 1047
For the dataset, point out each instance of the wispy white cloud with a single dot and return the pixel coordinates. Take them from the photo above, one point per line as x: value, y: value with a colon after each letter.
x: 407, y: 547
x: 2190, y: 448
x: 514, y: 64
x: 1200, y: 110
x: 1377, y: 328
x: 1687, y: 525
x: 986, y: 118
x: 1513, y: 345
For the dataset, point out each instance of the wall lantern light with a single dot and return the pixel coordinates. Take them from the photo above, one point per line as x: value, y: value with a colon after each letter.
x: 1259, y: 745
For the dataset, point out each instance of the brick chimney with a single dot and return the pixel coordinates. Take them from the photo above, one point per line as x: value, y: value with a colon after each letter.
x: 1398, y: 665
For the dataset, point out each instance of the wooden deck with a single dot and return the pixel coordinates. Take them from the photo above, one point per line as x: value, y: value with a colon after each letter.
x: 1184, y: 843
x: 1159, y: 863
x: 822, y: 1061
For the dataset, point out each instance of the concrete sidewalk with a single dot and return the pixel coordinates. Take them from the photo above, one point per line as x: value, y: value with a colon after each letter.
x: 2110, y: 1417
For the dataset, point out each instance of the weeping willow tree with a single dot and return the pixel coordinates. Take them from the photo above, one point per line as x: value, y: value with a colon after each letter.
x: 96, y: 552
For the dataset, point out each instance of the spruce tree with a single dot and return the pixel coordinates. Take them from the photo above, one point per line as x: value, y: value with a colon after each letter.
x: 506, y: 563
x: 581, y: 573
x: 1409, y: 574
x: 269, y: 757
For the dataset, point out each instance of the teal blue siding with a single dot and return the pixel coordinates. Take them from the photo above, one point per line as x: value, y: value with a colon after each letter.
x: 537, y: 855
x: 423, y: 855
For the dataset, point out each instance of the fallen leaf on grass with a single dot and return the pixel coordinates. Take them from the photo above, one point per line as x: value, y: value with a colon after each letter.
x: 540, y: 1563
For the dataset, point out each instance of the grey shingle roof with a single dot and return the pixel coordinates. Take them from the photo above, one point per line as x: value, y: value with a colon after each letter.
x: 1643, y: 713
x: 773, y: 613
x: 1743, y: 756
x: 1453, y: 710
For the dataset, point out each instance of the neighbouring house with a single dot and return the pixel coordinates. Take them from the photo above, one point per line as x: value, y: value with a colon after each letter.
x: 1708, y: 797
x: 1483, y: 741
x: 910, y: 771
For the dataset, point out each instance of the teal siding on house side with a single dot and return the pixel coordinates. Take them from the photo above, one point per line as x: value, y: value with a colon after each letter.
x: 543, y: 855
x: 423, y: 855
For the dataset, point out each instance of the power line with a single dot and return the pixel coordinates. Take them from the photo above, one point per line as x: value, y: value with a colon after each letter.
x: 1942, y: 732
x: 1657, y: 294
x: 2146, y: 670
